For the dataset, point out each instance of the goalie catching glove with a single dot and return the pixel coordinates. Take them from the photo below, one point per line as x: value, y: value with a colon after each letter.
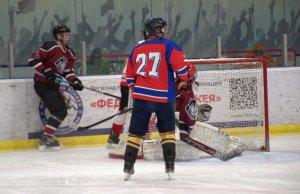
x: 204, y: 112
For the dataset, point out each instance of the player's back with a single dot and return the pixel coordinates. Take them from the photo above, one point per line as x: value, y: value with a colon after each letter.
x: 152, y: 69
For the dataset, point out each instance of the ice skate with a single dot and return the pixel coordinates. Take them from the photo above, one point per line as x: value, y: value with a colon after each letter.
x: 113, y: 140
x: 128, y: 170
x: 169, y: 169
x: 48, y: 142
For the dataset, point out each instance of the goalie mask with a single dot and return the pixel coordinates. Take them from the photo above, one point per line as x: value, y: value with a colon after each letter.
x: 154, y: 27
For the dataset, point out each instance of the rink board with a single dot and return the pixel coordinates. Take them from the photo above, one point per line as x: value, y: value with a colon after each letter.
x: 97, y: 140
x: 23, y: 115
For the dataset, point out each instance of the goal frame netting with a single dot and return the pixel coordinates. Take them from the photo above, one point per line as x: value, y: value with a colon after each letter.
x: 236, y: 62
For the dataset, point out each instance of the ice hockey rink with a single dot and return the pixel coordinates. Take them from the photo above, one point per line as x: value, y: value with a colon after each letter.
x: 88, y: 170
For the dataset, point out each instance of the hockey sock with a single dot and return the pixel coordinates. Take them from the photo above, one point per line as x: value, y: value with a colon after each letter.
x: 49, y: 130
x: 52, y: 124
x: 168, y: 145
x: 168, y: 137
x: 117, y: 129
x: 118, y: 123
x: 130, y: 154
x: 132, y: 148
x: 134, y: 141
x: 169, y: 152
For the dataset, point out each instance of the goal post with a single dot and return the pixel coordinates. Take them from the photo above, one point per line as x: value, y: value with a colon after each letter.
x: 236, y: 89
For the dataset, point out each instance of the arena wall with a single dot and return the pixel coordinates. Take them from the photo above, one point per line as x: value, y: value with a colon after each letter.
x: 23, y: 115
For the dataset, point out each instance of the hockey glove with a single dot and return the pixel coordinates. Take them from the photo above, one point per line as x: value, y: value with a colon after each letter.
x: 49, y: 74
x: 204, y: 112
x: 77, y: 84
x: 183, y: 86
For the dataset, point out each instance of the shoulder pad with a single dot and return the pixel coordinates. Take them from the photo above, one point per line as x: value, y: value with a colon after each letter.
x: 48, y: 45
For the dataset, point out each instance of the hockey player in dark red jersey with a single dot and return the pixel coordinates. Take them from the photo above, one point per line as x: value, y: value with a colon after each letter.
x: 185, y: 102
x: 186, y: 105
x: 120, y: 120
x: 53, y: 60
x: 150, y: 73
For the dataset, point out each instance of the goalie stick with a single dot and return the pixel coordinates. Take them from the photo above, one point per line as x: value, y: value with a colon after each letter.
x: 208, y: 150
x: 86, y: 87
x: 102, y: 121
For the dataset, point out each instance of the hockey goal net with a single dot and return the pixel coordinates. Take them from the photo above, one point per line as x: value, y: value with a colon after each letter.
x: 236, y: 89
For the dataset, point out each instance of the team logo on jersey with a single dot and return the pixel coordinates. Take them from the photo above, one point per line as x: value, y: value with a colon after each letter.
x: 74, y: 106
x: 61, y: 64
x: 192, y: 110
x: 37, y: 55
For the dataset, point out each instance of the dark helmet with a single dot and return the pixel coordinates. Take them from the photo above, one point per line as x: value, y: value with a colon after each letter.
x: 60, y: 29
x: 152, y: 26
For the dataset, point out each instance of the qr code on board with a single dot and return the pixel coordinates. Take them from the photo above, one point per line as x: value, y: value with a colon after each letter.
x: 243, y: 93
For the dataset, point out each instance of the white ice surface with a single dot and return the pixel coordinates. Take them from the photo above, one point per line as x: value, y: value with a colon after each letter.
x: 89, y: 170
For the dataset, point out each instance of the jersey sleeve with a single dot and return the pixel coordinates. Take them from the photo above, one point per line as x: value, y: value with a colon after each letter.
x: 177, y: 62
x: 37, y: 59
x: 69, y: 70
x: 130, y: 74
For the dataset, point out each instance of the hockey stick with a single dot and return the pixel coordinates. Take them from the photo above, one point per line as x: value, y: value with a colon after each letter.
x: 104, y: 93
x: 85, y: 87
x: 211, y: 151
x: 102, y: 121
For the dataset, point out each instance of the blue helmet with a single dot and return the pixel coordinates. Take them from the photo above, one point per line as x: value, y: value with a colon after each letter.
x: 152, y: 26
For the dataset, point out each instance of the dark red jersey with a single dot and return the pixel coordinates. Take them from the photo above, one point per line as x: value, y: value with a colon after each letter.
x: 60, y: 59
x: 187, y: 107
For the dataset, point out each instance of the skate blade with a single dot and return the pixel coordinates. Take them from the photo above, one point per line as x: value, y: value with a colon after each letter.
x: 111, y: 146
x: 127, y: 176
x: 169, y: 175
x: 46, y: 148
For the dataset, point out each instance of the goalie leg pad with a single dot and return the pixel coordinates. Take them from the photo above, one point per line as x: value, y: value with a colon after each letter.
x: 152, y: 150
x: 237, y: 151
x: 215, y: 138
